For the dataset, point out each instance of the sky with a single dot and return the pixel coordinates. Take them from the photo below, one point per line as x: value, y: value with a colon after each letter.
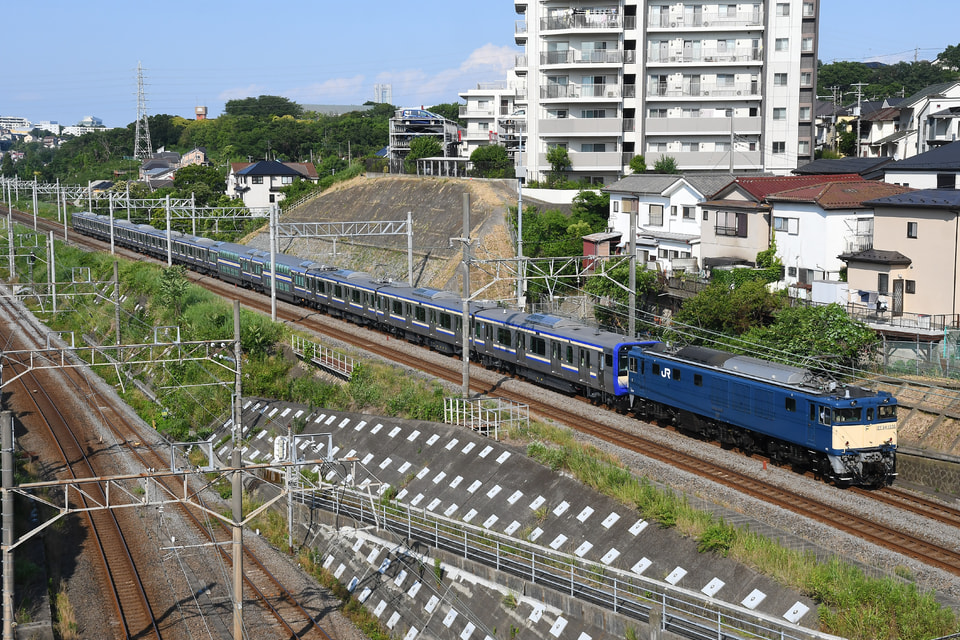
x: 74, y: 60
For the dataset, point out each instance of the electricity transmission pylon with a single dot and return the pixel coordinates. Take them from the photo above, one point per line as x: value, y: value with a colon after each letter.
x: 141, y: 145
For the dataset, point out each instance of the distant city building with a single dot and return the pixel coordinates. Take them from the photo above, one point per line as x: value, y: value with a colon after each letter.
x: 383, y: 93
x: 14, y: 123
x: 335, y: 109
x: 87, y: 125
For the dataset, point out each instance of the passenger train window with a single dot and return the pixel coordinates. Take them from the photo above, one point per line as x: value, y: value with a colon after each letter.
x: 608, y: 358
x: 538, y: 345
x: 397, y: 307
x: 698, y: 380
x: 433, y: 316
x: 569, y: 354
x: 338, y: 291
x: 521, y: 341
x: 420, y: 313
x: 584, y: 359
x: 790, y: 404
x: 556, y: 351
x: 355, y: 296
x: 445, y: 320
x: 503, y: 336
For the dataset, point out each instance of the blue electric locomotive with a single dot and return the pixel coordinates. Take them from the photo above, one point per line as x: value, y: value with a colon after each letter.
x: 845, y: 433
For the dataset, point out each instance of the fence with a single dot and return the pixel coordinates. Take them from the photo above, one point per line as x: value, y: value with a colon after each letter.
x: 682, y: 612
x: 486, y: 416
x: 322, y: 356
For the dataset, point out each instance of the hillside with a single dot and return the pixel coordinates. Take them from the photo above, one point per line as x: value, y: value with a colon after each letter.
x: 436, y: 205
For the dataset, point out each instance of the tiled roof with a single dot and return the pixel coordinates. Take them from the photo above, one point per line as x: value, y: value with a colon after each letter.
x: 840, y: 195
x: 877, y: 256
x: 268, y: 168
x: 945, y: 157
x: 761, y: 186
x: 645, y: 183
x: 831, y: 166
x: 927, y: 92
x: 921, y: 198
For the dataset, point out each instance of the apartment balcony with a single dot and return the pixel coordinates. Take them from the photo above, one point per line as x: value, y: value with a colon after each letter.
x: 707, y: 160
x: 520, y: 6
x: 520, y: 32
x: 589, y: 161
x: 467, y: 112
x: 520, y: 63
x: 700, y: 126
x: 582, y: 22
x: 581, y: 127
x: 592, y: 92
x: 575, y: 58
x: 752, y: 19
x: 706, y: 56
x: 709, y: 91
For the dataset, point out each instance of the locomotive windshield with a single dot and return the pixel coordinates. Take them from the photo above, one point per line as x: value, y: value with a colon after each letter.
x: 887, y: 412
x: 841, y: 416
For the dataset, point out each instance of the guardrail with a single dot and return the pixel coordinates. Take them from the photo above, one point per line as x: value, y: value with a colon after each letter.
x: 682, y: 612
x: 324, y: 357
x: 486, y: 416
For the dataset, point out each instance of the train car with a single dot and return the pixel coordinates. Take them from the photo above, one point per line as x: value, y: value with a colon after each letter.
x: 845, y: 433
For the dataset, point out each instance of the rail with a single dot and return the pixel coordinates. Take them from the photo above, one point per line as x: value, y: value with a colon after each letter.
x: 682, y: 612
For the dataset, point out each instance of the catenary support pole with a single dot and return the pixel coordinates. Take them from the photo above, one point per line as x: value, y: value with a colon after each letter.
x: 237, y: 485
x: 410, y: 248
x: 116, y: 297
x: 166, y: 207
x: 632, y: 299
x: 6, y: 418
x: 52, y: 266
x: 273, y: 262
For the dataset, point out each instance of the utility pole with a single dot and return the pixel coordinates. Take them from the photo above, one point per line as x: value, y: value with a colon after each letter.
x: 465, y: 333
x: 859, y: 86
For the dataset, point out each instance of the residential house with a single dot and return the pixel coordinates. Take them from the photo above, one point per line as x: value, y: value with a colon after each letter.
x: 736, y: 221
x: 813, y: 225
x: 259, y: 183
x: 667, y: 216
x: 928, y: 119
x: 159, y: 169
x: 197, y: 156
x: 879, y: 132
x: 935, y: 169
x: 913, y: 265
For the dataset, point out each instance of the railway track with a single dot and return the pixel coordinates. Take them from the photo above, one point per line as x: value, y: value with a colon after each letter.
x: 379, y: 344
x: 125, y: 588
x: 132, y: 607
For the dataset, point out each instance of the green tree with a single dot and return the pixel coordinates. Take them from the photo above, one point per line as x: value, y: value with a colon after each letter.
x: 173, y: 288
x: 491, y: 161
x: 559, y: 161
x: 6, y: 166
x: 720, y: 309
x: 638, y: 164
x: 611, y: 286
x: 950, y: 57
x: 207, y: 184
x: 848, y: 141
x: 263, y: 107
x: 593, y: 208
x: 450, y: 111
x: 666, y: 164
x: 822, y: 332
x: 422, y: 147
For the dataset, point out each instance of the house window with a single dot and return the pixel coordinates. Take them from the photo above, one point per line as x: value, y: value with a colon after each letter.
x: 688, y: 213
x: 910, y: 286
x: 803, y: 147
x: 782, y: 44
x: 731, y: 223
x: 911, y: 229
x: 779, y: 113
x: 787, y: 225
x: 616, y: 206
x: 946, y: 181
x: 656, y: 215
x: 780, y: 79
x: 256, y: 179
x: 286, y: 179
x: 783, y: 8
x: 883, y: 283
x: 780, y: 147
x: 673, y: 211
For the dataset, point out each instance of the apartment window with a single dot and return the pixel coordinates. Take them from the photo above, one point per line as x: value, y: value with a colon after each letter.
x: 724, y: 80
x: 593, y: 147
x: 911, y: 229
x: 593, y: 113
x: 691, y: 113
x: 556, y: 113
x: 779, y: 113
x: 483, y: 126
x: 806, y: 78
x: 483, y: 105
x: 690, y: 147
x: 808, y: 10
x: 806, y: 45
x: 803, y: 147
x: 804, y: 113
x: 688, y: 213
x: 657, y: 113
x: 721, y: 147
x: 883, y: 283
x: 783, y: 8
x: 779, y: 79
x: 780, y: 147
x: 656, y: 215
x: 656, y: 147
x: 787, y: 225
x: 728, y: 11
x: 782, y: 44
x: 910, y: 286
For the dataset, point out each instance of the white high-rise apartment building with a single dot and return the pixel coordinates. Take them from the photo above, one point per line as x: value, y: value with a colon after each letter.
x: 712, y: 83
